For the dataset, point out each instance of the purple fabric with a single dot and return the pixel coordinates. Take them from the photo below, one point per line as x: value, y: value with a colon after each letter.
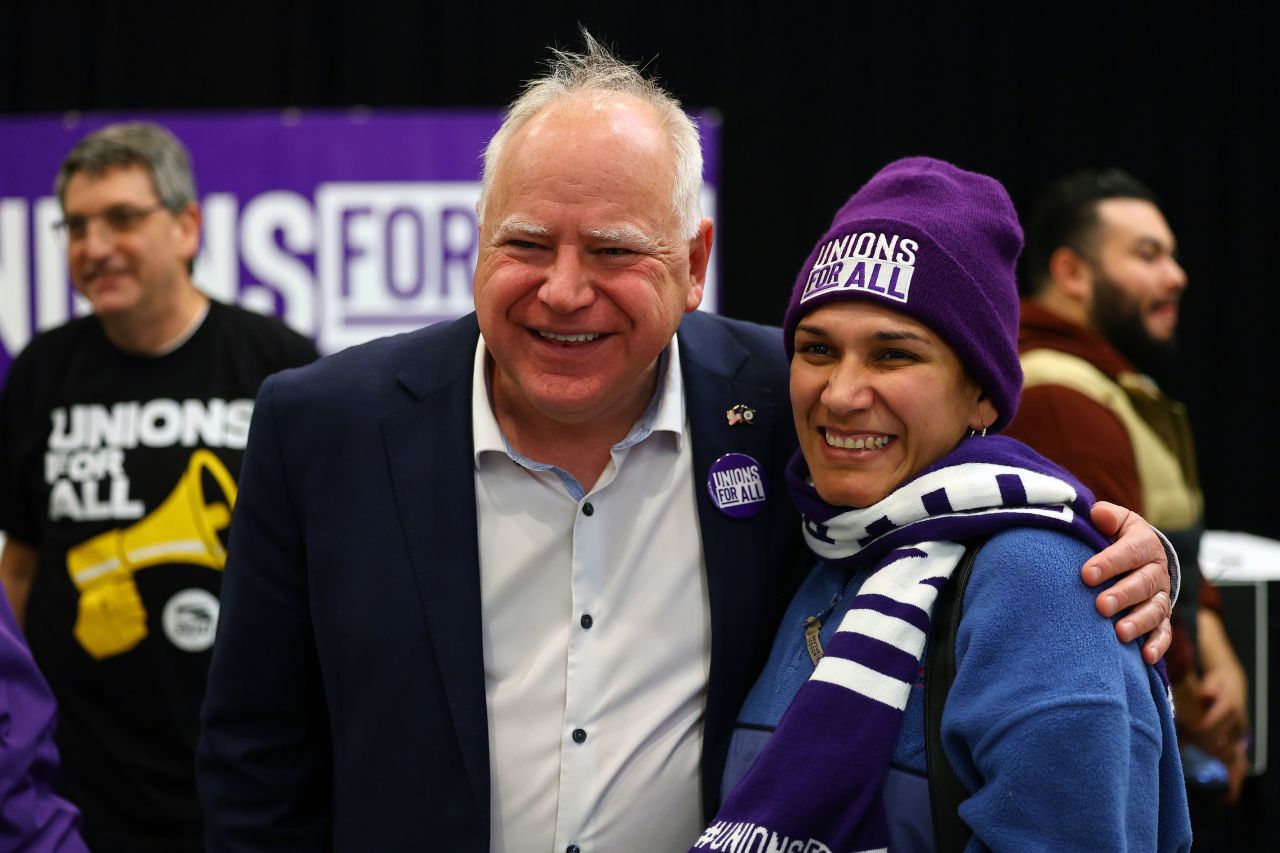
x: 938, y: 244
x: 32, y: 816
x: 820, y: 779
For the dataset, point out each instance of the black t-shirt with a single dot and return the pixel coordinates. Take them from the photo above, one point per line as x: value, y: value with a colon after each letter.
x: 120, y: 470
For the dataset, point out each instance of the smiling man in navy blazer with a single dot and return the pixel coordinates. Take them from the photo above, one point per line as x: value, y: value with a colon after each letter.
x: 502, y: 583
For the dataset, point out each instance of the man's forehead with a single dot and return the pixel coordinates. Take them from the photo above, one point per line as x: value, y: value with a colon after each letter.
x: 596, y: 111
x: 587, y: 132
x: 1134, y: 219
x: 584, y: 164
x: 128, y: 181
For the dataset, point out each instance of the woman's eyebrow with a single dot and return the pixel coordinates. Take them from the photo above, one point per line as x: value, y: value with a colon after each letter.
x: 810, y: 329
x: 902, y: 335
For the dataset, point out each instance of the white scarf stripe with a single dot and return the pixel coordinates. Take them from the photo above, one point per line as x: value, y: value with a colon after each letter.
x: 863, y: 680
x: 918, y: 595
x: 887, y: 629
x: 980, y: 490
x: 903, y: 580
x: 846, y: 541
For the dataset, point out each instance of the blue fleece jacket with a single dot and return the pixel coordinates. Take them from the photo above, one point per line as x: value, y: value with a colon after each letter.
x: 1062, y: 735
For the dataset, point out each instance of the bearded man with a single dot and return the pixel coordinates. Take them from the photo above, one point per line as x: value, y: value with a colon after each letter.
x: 1101, y: 301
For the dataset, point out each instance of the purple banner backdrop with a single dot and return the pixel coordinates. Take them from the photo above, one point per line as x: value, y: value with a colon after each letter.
x: 349, y: 225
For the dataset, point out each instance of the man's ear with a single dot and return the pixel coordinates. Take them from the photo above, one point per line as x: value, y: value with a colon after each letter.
x: 699, y: 259
x: 1072, y: 273
x: 188, y: 223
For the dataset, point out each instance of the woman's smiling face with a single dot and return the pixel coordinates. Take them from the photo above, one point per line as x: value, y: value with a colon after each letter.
x: 877, y: 397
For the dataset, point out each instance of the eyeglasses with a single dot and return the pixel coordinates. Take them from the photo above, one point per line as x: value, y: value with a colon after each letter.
x: 121, y: 219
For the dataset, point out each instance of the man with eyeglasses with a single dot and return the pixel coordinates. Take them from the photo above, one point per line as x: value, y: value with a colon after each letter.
x: 121, y: 435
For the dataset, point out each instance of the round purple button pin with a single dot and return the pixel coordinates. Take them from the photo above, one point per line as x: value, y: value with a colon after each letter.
x: 737, y: 485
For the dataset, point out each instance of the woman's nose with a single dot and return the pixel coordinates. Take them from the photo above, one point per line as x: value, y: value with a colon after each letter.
x: 849, y: 389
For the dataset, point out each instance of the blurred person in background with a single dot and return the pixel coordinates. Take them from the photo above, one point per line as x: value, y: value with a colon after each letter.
x: 121, y: 435
x: 1103, y: 287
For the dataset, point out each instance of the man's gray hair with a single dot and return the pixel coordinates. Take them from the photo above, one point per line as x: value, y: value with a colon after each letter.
x: 134, y: 144
x: 596, y: 71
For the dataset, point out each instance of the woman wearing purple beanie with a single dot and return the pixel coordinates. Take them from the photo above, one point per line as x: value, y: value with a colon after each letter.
x: 902, y: 334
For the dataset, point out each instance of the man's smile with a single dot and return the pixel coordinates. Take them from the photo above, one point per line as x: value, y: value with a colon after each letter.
x: 581, y: 337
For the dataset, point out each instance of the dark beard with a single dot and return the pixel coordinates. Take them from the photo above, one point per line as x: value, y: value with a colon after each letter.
x: 1119, y: 319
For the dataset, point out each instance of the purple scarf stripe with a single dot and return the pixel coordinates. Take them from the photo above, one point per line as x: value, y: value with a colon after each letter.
x: 820, y: 758
x: 891, y: 607
x: 903, y: 553
x: 1011, y: 490
x: 874, y: 653
x: 876, y: 529
x: 937, y: 502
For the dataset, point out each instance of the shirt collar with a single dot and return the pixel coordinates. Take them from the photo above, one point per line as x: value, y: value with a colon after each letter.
x: 665, y: 412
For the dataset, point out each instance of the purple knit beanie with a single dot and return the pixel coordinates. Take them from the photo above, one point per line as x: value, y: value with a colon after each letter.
x: 938, y: 244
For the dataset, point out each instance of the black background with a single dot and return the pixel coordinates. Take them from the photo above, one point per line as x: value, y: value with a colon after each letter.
x: 814, y: 99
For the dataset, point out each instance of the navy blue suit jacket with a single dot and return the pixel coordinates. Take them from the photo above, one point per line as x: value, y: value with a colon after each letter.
x: 346, y: 702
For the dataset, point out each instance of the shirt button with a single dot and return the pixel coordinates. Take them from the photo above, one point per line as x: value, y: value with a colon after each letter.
x: 572, y: 848
x: 586, y: 621
x: 588, y: 509
x: 579, y: 735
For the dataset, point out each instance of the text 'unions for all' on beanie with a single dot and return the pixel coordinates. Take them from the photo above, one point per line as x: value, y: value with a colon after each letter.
x: 938, y: 244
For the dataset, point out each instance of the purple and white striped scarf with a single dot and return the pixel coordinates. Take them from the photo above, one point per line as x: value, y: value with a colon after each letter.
x: 817, y: 785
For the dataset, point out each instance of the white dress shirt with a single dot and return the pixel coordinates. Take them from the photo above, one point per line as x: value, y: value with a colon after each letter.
x: 597, y: 637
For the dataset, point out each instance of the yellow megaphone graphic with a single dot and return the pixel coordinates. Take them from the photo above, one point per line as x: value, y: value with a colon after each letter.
x: 183, y: 529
